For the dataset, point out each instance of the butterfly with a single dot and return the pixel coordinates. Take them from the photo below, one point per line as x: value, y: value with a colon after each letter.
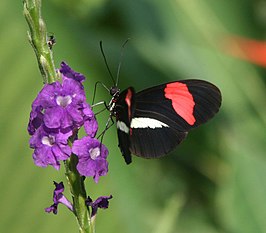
x: 152, y: 122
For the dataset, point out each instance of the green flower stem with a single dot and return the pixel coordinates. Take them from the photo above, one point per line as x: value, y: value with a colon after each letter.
x: 38, y: 39
x: 76, y: 184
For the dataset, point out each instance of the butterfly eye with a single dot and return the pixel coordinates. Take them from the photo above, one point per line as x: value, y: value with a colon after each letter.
x: 114, y: 90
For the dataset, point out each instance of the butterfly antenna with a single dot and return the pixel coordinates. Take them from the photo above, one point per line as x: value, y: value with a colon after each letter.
x: 120, y: 62
x: 105, y: 61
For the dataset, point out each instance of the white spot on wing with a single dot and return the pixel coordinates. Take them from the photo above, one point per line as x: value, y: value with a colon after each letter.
x: 144, y: 122
x: 122, y: 126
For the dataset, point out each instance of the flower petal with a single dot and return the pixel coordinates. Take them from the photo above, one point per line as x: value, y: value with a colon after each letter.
x: 91, y: 127
x: 43, y: 157
x: 67, y: 72
x: 53, y: 117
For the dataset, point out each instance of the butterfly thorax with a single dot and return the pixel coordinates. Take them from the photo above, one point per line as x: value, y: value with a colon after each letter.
x: 114, y: 92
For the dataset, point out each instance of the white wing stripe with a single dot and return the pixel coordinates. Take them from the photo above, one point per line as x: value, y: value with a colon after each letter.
x: 145, y: 122
x: 122, y: 126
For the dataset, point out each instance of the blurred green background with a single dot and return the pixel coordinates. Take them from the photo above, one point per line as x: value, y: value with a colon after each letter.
x: 214, y: 182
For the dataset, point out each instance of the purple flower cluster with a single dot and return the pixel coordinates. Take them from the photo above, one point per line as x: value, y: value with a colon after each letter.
x: 58, y: 112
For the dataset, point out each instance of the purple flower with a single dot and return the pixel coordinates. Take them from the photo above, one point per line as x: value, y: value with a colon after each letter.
x: 100, y: 202
x: 92, y: 157
x: 67, y: 72
x: 59, y: 197
x: 60, y: 106
x: 49, y: 147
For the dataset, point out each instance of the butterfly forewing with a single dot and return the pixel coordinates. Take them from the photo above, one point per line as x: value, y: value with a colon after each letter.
x: 182, y: 105
x: 207, y: 99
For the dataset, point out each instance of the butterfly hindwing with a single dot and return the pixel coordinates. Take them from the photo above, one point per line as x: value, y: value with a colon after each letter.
x: 154, y: 142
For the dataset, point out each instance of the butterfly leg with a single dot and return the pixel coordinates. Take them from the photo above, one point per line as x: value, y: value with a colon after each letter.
x: 102, y: 110
x: 94, y: 92
x: 108, y: 125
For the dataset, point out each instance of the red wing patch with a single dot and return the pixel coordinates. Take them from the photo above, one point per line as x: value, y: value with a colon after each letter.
x: 182, y: 100
x: 128, y: 101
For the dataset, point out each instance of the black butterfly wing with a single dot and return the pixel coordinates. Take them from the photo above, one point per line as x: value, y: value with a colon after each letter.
x: 167, y: 112
x: 124, y: 111
x: 154, y: 142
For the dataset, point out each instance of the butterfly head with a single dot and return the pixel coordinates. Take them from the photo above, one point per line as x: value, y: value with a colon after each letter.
x: 114, y: 91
